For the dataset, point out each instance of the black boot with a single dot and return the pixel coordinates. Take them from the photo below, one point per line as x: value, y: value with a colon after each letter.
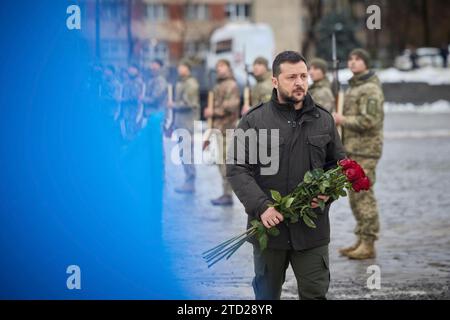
x: 224, y: 200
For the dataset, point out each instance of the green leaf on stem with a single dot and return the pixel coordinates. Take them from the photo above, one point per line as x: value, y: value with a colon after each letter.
x: 289, y: 202
x: 322, y: 188
x: 308, y: 221
x: 263, y: 239
x: 308, y: 177
x: 276, y: 195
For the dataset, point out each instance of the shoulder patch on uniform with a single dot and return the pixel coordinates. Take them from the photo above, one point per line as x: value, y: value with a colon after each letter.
x: 372, y: 106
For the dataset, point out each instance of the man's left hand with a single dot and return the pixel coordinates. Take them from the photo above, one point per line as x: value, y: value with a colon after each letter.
x: 315, y: 201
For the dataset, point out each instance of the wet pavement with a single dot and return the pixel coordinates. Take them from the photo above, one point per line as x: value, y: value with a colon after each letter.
x: 413, y: 252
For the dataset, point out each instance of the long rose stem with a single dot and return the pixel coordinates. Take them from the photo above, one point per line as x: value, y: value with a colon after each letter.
x: 223, y: 254
x: 234, y: 250
x: 224, y: 251
x: 228, y: 241
x: 222, y: 248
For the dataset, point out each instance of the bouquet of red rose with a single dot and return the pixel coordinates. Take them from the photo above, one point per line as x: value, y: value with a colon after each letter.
x: 296, y: 206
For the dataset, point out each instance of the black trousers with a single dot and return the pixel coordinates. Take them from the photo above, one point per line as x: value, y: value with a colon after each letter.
x: 311, y: 269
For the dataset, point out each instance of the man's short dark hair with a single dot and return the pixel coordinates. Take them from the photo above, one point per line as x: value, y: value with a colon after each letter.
x: 286, y: 56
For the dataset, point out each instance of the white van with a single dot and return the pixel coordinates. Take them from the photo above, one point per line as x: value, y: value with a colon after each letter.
x: 237, y: 42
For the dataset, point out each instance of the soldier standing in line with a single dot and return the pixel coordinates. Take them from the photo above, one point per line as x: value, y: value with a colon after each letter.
x: 225, y: 114
x: 320, y: 90
x: 131, y: 107
x: 362, y: 136
x: 155, y: 89
x: 110, y: 91
x: 262, y: 90
x: 186, y: 107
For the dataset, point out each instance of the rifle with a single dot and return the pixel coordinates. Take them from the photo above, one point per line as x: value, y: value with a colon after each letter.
x: 169, y: 120
x: 140, y: 114
x: 210, y: 106
x: 336, y: 87
x: 247, y: 83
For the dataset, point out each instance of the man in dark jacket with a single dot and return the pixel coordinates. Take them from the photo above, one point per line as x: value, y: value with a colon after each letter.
x: 307, y: 139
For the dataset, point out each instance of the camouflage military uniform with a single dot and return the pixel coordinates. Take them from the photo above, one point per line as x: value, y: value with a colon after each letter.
x: 133, y: 89
x: 226, y: 113
x: 362, y: 136
x: 110, y: 93
x: 262, y: 90
x: 187, y: 108
x: 155, y: 94
x: 322, y: 94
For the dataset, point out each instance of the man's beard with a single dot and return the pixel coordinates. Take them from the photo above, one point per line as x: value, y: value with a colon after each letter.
x: 291, y: 99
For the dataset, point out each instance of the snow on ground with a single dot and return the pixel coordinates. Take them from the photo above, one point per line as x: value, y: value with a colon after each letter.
x: 440, y: 106
x: 430, y: 75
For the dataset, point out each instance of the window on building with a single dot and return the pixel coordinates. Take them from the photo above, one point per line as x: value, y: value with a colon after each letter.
x: 113, y: 10
x: 238, y: 11
x: 156, y: 12
x: 196, y: 49
x: 197, y: 11
x: 114, y: 48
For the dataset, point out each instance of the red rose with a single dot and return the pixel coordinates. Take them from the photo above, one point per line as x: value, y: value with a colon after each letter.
x: 347, y: 163
x: 355, y: 173
x: 361, y: 184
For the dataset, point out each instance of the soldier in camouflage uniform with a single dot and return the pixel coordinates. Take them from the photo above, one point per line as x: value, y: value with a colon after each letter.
x: 261, y: 92
x: 110, y: 89
x: 320, y: 90
x: 362, y: 136
x: 186, y: 107
x: 131, y: 103
x: 225, y: 115
x: 155, y: 89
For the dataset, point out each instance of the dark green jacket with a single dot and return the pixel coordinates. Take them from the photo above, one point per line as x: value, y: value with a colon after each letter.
x: 307, y: 139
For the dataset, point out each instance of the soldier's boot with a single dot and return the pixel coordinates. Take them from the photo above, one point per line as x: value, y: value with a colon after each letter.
x: 224, y: 200
x: 186, y: 187
x: 345, y: 251
x: 366, y: 250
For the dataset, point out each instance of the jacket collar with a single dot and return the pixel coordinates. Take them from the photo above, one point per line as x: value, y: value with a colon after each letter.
x: 361, y: 78
x: 309, y: 107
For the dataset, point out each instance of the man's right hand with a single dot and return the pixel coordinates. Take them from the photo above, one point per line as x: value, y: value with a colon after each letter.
x: 271, y: 217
